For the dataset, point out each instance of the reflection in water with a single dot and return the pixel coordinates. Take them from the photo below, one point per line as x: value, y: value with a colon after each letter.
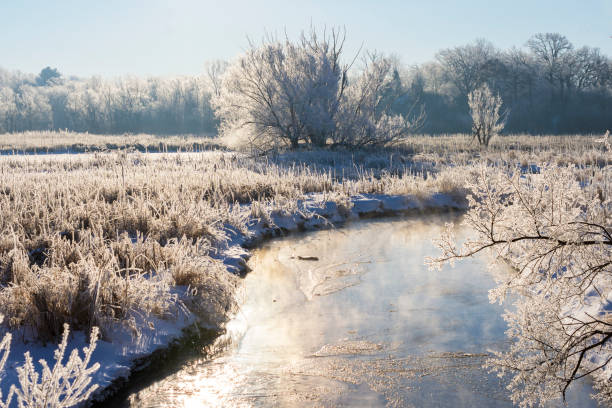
x: 364, y: 325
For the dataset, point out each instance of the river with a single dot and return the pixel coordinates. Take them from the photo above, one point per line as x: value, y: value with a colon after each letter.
x: 352, y: 317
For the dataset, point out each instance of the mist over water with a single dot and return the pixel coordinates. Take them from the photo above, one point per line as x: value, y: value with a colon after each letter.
x: 352, y: 317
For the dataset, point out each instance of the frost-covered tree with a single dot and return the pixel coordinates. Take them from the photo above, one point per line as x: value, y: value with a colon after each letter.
x: 34, y: 111
x: 364, y: 118
x: 550, y: 85
x: 8, y: 110
x: 556, y: 233
x: 487, y: 121
x: 287, y: 93
x: 214, y: 73
x: 284, y: 92
x: 466, y: 66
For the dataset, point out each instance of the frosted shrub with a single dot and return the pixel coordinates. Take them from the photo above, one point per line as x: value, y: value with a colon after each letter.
x: 64, y: 385
x: 557, y: 235
x: 486, y: 118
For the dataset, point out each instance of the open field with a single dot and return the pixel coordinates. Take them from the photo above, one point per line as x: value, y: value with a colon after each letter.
x: 42, y: 142
x: 578, y: 149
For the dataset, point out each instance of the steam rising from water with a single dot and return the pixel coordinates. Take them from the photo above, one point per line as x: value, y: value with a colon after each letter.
x: 366, y: 324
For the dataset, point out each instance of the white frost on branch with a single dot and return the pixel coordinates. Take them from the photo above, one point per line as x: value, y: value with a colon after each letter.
x: 555, y: 231
x: 287, y: 93
x: 64, y: 385
x: 487, y: 121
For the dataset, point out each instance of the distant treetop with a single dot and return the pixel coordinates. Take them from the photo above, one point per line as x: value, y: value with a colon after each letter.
x: 48, y: 76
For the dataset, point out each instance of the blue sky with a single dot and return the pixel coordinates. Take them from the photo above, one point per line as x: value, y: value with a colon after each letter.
x: 153, y: 37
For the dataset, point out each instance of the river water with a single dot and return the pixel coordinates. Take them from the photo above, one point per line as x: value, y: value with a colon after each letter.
x: 352, y: 317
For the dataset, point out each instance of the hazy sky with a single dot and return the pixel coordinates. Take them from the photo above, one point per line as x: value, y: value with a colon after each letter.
x: 154, y: 37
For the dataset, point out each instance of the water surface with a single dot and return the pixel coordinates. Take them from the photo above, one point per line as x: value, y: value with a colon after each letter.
x: 352, y: 317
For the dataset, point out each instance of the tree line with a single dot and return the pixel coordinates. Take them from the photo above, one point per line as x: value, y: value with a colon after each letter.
x: 549, y: 86
x: 152, y: 105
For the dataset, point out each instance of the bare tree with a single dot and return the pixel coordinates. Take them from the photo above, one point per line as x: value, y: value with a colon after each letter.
x: 550, y: 49
x: 466, y: 66
x: 590, y: 69
x: 433, y: 76
x: 214, y: 72
x: 520, y: 74
x: 485, y: 110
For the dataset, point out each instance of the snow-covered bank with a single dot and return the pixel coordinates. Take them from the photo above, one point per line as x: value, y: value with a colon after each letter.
x: 128, y: 352
x: 315, y: 212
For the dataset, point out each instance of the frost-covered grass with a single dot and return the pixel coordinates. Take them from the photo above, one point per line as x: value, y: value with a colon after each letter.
x: 34, y: 142
x: 101, y: 239
x: 454, y: 143
x: 453, y: 148
x: 131, y: 242
x: 462, y: 149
